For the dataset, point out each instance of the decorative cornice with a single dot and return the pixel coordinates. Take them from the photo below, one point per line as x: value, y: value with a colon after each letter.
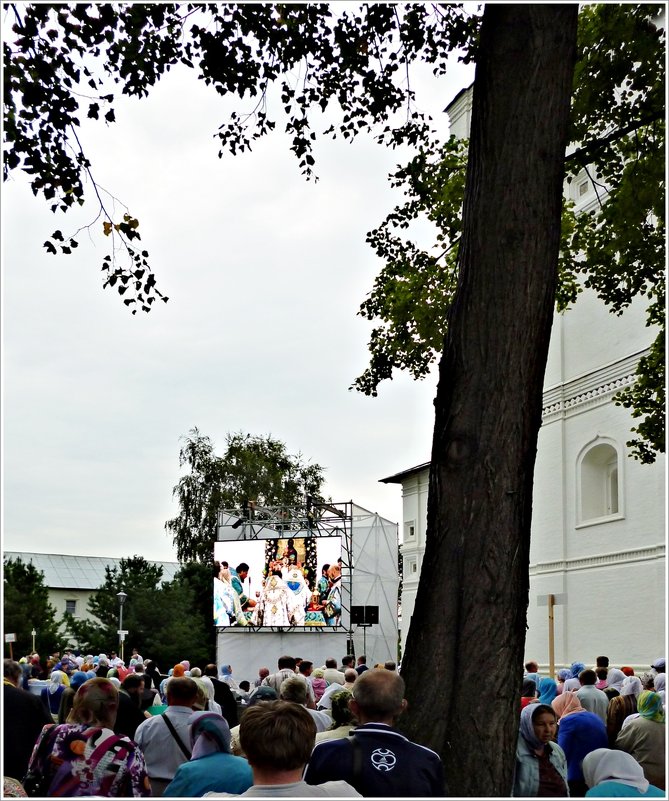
x: 590, y: 389
x: 599, y: 560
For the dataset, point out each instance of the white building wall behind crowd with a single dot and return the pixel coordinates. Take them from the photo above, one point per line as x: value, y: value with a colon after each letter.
x: 598, y: 528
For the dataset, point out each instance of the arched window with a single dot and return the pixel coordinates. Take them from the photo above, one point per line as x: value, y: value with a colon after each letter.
x: 599, y: 485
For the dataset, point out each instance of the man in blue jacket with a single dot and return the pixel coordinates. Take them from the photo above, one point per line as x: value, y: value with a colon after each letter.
x: 377, y: 759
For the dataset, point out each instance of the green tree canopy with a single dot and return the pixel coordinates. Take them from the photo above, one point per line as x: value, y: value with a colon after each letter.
x: 252, y: 468
x: 140, y: 580
x: 26, y: 607
x: 179, y: 625
x: 167, y: 621
x: 617, y: 249
x: 193, y: 580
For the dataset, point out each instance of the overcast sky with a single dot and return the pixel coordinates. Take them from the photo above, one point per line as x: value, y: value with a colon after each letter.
x: 265, y: 273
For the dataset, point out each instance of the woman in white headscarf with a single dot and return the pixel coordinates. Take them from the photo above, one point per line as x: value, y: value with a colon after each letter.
x: 613, y: 774
x: 659, y: 683
x: 622, y: 706
x: 614, y: 683
x: 208, y: 685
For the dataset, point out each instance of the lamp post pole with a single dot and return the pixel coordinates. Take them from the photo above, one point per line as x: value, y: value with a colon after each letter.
x: 33, y: 634
x: 121, y: 634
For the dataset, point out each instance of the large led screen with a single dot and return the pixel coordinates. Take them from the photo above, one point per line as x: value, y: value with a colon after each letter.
x: 292, y: 581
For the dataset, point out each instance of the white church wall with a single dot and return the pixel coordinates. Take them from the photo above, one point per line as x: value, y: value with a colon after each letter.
x: 609, y: 569
x: 536, y: 643
x: 593, y: 336
x: 548, y: 533
x: 414, y: 496
x: 607, y: 608
x: 622, y: 602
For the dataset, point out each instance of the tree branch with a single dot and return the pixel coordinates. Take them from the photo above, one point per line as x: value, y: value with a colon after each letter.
x: 596, y: 144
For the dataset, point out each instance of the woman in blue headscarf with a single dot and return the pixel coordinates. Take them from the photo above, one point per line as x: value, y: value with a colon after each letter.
x: 226, y: 676
x: 562, y: 676
x: 541, y: 766
x: 547, y: 690
x: 212, y: 767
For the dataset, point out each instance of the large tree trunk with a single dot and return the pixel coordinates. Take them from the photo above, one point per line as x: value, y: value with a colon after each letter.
x: 463, y: 664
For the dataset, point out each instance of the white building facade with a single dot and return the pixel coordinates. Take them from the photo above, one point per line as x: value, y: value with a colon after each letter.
x: 598, y: 527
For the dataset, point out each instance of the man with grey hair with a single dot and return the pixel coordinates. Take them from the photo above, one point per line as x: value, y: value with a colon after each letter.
x: 294, y: 689
x: 377, y: 760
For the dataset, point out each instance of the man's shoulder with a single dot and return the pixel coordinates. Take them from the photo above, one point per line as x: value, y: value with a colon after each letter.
x: 19, y: 696
x: 334, y: 789
x: 373, y: 733
x: 328, y: 747
x: 147, y: 725
x: 10, y: 691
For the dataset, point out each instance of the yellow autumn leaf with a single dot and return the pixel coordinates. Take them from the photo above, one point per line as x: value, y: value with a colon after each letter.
x: 107, y: 227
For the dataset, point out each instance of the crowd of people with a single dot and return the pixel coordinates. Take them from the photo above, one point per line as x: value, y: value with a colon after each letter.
x: 93, y: 726
x: 593, y: 732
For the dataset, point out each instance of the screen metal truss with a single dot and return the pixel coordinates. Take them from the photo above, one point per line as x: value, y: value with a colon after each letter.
x: 269, y: 522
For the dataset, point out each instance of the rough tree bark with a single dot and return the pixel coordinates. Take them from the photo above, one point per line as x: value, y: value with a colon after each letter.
x: 463, y: 664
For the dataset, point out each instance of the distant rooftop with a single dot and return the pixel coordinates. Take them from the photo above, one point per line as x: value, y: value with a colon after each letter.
x: 78, y: 572
x: 397, y: 478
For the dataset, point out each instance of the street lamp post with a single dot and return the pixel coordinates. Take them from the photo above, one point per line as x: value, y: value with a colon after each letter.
x: 33, y: 634
x: 121, y: 634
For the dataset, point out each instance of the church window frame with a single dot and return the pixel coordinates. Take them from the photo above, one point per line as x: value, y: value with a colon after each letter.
x: 599, y: 484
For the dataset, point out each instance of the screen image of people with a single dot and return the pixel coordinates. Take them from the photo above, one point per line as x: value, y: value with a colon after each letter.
x: 287, y: 581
